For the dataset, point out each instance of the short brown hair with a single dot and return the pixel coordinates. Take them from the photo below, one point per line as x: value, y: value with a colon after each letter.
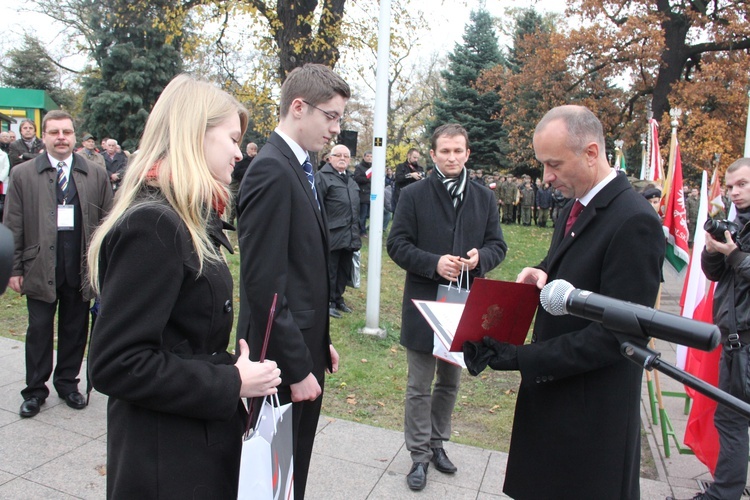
x: 57, y: 114
x: 449, y: 130
x: 738, y: 164
x: 26, y: 121
x: 315, y: 83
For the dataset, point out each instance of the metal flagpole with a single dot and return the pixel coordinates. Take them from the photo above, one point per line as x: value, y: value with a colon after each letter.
x: 380, y: 127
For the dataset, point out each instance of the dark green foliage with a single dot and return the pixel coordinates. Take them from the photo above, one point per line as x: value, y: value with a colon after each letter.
x: 135, y: 62
x: 461, y: 102
x: 31, y: 67
x: 528, y: 24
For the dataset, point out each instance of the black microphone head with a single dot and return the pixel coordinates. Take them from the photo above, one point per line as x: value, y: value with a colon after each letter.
x: 554, y: 295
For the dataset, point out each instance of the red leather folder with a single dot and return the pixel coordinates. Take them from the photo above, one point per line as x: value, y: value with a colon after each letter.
x: 502, y: 310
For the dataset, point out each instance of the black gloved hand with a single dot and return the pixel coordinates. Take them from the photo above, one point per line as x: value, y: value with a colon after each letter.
x: 498, y: 355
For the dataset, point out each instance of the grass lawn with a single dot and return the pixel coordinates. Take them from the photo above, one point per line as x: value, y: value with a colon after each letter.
x: 370, y: 384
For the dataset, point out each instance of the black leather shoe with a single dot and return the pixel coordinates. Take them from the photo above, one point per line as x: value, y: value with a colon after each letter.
x: 75, y: 400
x: 698, y: 496
x: 417, y: 477
x: 30, y: 407
x: 341, y: 306
x: 332, y: 312
x: 442, y: 462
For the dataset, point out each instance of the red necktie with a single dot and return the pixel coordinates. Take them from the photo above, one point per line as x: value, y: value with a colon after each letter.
x: 574, y: 213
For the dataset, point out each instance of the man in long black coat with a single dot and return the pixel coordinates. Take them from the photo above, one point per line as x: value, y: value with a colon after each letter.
x: 576, y: 431
x: 441, y: 224
x: 340, y: 198
x: 283, y: 241
x: 365, y: 188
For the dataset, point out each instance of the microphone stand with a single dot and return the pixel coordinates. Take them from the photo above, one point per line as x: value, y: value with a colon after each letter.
x: 649, y: 360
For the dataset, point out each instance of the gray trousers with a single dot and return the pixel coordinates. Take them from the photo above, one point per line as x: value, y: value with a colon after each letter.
x: 731, y: 467
x: 428, y: 410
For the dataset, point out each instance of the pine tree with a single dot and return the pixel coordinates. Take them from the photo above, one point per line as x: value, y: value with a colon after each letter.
x: 136, y: 59
x: 462, y: 103
x: 31, y: 67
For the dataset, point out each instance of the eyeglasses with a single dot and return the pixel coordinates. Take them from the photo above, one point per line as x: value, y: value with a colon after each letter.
x: 341, y: 155
x: 332, y: 117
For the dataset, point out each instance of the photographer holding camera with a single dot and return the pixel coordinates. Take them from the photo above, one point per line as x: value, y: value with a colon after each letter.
x: 407, y: 173
x: 726, y: 260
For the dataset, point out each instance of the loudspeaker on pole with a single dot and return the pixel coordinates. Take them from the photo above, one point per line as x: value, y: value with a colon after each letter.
x: 349, y: 139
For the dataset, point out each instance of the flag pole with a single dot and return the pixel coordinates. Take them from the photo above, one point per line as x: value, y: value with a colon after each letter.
x: 380, y: 129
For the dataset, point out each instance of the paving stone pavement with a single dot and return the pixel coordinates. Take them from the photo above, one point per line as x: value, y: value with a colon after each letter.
x: 61, y: 453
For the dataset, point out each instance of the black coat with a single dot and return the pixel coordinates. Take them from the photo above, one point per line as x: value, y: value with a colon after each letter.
x: 116, y: 164
x: 284, y: 248
x: 400, y: 179
x: 426, y: 227
x: 576, y: 431
x: 240, y: 168
x: 158, y: 349
x: 339, y: 195
x: 364, y: 183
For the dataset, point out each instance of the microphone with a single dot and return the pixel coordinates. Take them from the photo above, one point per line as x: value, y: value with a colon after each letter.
x: 560, y: 297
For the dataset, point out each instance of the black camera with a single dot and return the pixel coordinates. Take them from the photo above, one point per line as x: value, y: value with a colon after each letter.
x: 716, y: 229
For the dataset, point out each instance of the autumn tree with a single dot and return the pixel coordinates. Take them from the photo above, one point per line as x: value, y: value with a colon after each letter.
x: 462, y: 102
x: 714, y: 112
x: 657, y: 47
x: 619, y: 57
x: 305, y: 31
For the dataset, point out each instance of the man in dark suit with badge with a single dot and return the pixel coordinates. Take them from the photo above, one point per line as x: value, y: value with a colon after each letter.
x: 283, y: 239
x: 54, y: 203
x: 576, y: 430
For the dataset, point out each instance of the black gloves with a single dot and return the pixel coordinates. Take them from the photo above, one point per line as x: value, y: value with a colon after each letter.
x: 499, y: 355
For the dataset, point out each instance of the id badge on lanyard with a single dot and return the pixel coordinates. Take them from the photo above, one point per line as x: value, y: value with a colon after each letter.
x: 65, y: 217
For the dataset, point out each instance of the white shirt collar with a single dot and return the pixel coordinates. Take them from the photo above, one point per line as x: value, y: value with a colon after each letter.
x: 299, y: 153
x: 68, y: 162
x: 586, y: 199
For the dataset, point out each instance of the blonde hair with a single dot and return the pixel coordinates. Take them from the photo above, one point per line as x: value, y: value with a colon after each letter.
x: 171, y: 157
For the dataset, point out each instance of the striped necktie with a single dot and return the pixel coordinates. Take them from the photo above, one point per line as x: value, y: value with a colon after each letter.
x: 307, y: 167
x: 62, y: 180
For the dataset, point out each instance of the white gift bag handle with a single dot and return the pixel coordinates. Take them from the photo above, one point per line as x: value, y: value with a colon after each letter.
x: 276, y: 413
x: 461, y: 280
